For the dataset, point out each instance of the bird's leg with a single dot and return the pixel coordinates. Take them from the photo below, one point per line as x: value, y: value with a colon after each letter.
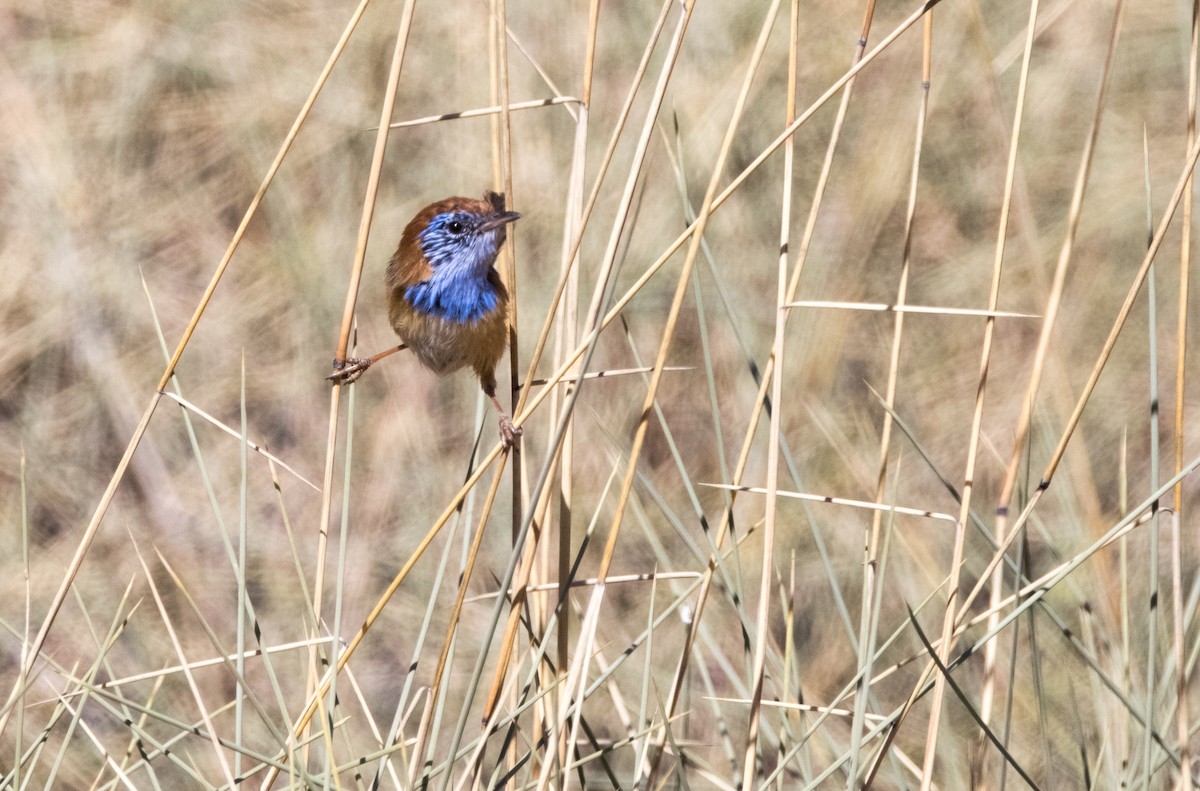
x: 509, y: 434
x: 349, y: 370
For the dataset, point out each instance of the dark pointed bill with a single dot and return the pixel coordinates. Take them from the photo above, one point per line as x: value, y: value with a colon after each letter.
x: 497, y: 219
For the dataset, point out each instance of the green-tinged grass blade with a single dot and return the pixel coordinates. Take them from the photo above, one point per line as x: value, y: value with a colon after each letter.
x: 242, y: 598
x: 394, y: 734
x: 331, y: 698
x: 643, y: 745
x: 665, y: 556
x: 674, y: 149
x: 116, y: 629
x: 1011, y: 690
x: 967, y: 705
x: 236, y: 558
x: 198, y: 698
x: 1152, y: 569
x: 1037, y: 673
x: 237, y: 667
x: 735, y: 323
x: 863, y: 693
x: 100, y: 642
x: 34, y: 751
x: 22, y: 676
x: 669, y: 732
x: 732, y: 578
x: 827, y: 711
x: 701, y: 668
x: 1113, y: 685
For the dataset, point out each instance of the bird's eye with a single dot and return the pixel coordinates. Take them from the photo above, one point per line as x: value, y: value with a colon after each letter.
x: 455, y: 227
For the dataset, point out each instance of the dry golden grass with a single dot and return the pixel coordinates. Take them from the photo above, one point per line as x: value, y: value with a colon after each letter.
x: 134, y: 139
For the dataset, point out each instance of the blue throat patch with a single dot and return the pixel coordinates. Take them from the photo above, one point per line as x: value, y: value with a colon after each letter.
x: 464, y: 300
x: 461, y: 258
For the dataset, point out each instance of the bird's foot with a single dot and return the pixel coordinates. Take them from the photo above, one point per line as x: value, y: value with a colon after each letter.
x: 348, y: 371
x: 509, y: 434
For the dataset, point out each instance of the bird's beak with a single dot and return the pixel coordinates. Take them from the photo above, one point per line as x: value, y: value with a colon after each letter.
x: 498, y: 219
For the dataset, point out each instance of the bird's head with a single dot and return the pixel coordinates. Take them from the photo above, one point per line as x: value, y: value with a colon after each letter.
x: 465, y: 240
x: 446, y: 256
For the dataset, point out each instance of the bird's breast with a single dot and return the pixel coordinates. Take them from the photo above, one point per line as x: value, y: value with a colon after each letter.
x: 445, y: 345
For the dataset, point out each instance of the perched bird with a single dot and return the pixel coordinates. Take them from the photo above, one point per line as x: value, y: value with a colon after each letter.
x: 445, y: 298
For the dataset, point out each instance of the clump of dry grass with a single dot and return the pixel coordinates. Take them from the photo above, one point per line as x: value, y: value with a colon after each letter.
x: 286, y: 585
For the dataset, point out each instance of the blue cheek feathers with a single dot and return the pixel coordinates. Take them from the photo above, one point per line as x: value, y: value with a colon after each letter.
x: 459, y: 290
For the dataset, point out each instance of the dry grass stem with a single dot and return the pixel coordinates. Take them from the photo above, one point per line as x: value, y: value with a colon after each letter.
x: 873, y: 280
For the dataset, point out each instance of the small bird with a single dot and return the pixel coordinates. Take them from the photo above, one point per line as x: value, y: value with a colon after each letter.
x: 445, y: 298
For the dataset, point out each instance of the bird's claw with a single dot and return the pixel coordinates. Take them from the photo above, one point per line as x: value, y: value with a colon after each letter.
x: 348, y: 371
x: 509, y: 434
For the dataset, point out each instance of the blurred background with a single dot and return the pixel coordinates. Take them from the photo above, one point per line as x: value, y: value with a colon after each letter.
x: 133, y: 136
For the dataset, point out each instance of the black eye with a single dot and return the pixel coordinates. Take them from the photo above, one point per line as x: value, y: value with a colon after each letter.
x: 455, y: 227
